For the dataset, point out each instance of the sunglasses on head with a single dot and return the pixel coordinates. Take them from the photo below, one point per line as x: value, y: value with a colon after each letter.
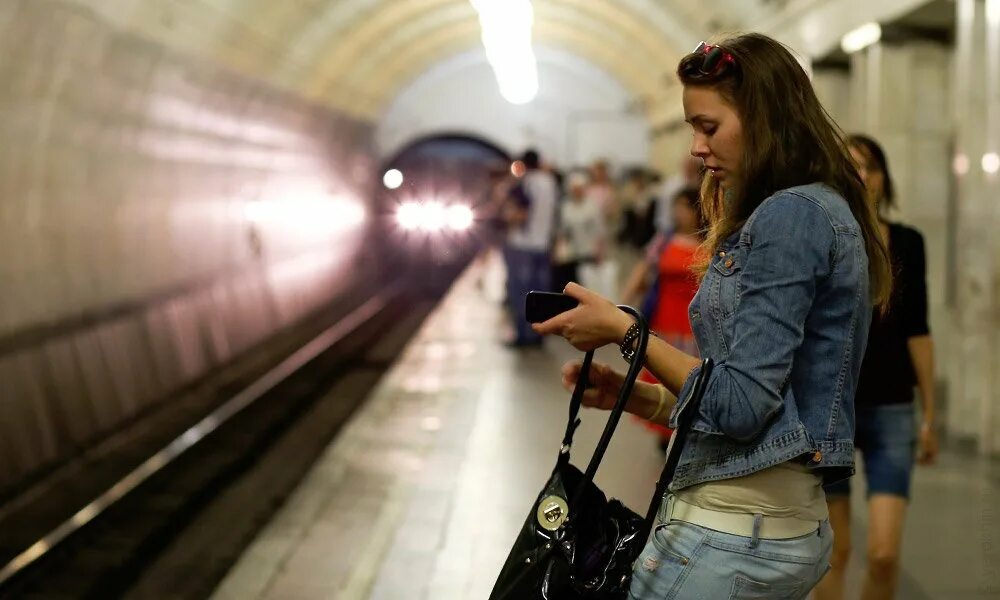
x: 716, y: 59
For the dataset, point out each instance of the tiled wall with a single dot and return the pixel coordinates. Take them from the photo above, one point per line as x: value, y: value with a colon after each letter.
x: 157, y: 217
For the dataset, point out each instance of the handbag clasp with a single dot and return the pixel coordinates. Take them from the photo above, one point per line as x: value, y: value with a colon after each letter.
x: 552, y: 512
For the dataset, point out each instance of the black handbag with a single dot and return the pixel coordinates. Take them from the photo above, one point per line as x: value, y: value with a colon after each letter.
x: 576, y: 543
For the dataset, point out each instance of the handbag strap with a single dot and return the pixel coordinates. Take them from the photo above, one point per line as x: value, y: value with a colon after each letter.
x: 574, y: 406
x: 616, y: 413
x: 676, y: 446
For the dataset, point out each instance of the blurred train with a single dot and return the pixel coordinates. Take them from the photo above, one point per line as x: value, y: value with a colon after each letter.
x: 304, y: 237
x: 435, y: 204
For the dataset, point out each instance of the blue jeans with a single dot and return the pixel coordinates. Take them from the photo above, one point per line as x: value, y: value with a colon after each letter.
x: 527, y: 270
x: 687, y: 561
x: 886, y: 437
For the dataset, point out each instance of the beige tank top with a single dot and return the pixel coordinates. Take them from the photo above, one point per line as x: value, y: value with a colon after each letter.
x: 785, y: 490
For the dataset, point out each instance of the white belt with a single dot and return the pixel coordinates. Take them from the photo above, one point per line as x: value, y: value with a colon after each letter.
x: 771, y: 528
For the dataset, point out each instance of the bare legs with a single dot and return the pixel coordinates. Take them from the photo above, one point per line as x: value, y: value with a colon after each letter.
x: 886, y: 515
x: 831, y: 587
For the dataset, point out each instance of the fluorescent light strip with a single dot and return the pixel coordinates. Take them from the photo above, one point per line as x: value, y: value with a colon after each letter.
x: 861, y: 38
x: 506, y: 33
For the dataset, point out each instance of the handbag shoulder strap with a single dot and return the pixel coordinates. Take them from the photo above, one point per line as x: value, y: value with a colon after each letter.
x: 686, y: 412
x: 616, y: 413
x: 574, y: 407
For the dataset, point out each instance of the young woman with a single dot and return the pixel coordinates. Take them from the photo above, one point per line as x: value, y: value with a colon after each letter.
x: 899, y: 356
x: 794, y: 265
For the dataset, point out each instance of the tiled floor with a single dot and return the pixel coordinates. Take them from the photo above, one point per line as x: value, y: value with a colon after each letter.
x: 422, y: 494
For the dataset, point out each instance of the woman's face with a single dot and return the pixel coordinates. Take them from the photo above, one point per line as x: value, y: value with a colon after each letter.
x: 870, y: 173
x: 685, y: 217
x: 718, y: 134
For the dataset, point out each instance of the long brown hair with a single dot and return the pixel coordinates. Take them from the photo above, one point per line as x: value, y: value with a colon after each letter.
x: 788, y: 140
x: 874, y: 153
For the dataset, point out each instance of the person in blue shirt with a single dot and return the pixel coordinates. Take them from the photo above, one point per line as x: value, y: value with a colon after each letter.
x: 792, y: 267
x: 531, y: 218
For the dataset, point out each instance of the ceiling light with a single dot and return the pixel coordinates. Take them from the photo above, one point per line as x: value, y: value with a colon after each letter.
x: 991, y: 163
x: 506, y: 33
x: 861, y: 38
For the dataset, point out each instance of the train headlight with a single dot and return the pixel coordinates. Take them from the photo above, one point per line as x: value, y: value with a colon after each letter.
x: 459, y: 217
x: 433, y: 216
x: 409, y: 215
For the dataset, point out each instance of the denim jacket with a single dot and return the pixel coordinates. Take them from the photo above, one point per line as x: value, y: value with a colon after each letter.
x: 783, y: 310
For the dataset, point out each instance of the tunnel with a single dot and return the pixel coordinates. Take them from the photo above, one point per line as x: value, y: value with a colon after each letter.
x: 203, y: 200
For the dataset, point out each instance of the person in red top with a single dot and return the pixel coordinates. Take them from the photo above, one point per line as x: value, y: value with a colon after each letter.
x: 676, y: 283
x: 668, y: 265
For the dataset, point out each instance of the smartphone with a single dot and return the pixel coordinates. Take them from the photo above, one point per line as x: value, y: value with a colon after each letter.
x: 542, y: 306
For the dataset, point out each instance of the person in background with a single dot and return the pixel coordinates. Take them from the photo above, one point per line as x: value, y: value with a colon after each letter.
x: 639, y: 285
x: 581, y: 236
x: 489, y: 211
x: 602, y: 190
x: 674, y: 268
x: 900, y: 355
x: 675, y: 283
x: 638, y: 210
x: 688, y: 176
x: 530, y: 215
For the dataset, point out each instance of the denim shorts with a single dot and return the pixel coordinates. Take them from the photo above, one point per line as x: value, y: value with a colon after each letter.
x: 687, y: 561
x: 886, y: 437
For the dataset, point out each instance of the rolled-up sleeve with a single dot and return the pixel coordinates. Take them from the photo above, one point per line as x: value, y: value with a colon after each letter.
x: 791, y: 243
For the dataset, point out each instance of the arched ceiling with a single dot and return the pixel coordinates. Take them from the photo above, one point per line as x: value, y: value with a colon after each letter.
x: 357, y: 54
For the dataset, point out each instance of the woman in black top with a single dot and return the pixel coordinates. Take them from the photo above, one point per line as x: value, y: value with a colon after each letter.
x: 900, y: 355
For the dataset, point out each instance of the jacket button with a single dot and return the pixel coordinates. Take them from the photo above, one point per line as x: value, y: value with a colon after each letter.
x: 722, y: 254
x: 817, y: 456
x: 729, y: 263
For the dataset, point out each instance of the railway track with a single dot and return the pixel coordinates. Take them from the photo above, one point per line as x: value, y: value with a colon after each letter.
x: 174, y: 525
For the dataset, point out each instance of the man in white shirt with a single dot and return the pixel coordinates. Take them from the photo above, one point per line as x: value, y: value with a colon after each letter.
x: 531, y: 218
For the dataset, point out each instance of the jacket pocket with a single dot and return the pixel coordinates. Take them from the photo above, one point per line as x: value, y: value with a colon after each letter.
x: 727, y: 266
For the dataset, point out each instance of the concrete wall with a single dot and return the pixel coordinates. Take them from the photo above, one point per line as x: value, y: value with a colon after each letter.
x: 974, y: 309
x: 157, y: 217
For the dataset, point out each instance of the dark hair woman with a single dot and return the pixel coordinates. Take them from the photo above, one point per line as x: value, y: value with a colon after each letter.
x: 793, y: 266
x: 899, y: 356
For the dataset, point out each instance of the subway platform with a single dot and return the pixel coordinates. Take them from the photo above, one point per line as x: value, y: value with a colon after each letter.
x: 422, y: 494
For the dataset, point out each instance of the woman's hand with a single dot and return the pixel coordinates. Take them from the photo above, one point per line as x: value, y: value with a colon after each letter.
x: 605, y: 383
x: 592, y: 324
x: 927, y: 445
